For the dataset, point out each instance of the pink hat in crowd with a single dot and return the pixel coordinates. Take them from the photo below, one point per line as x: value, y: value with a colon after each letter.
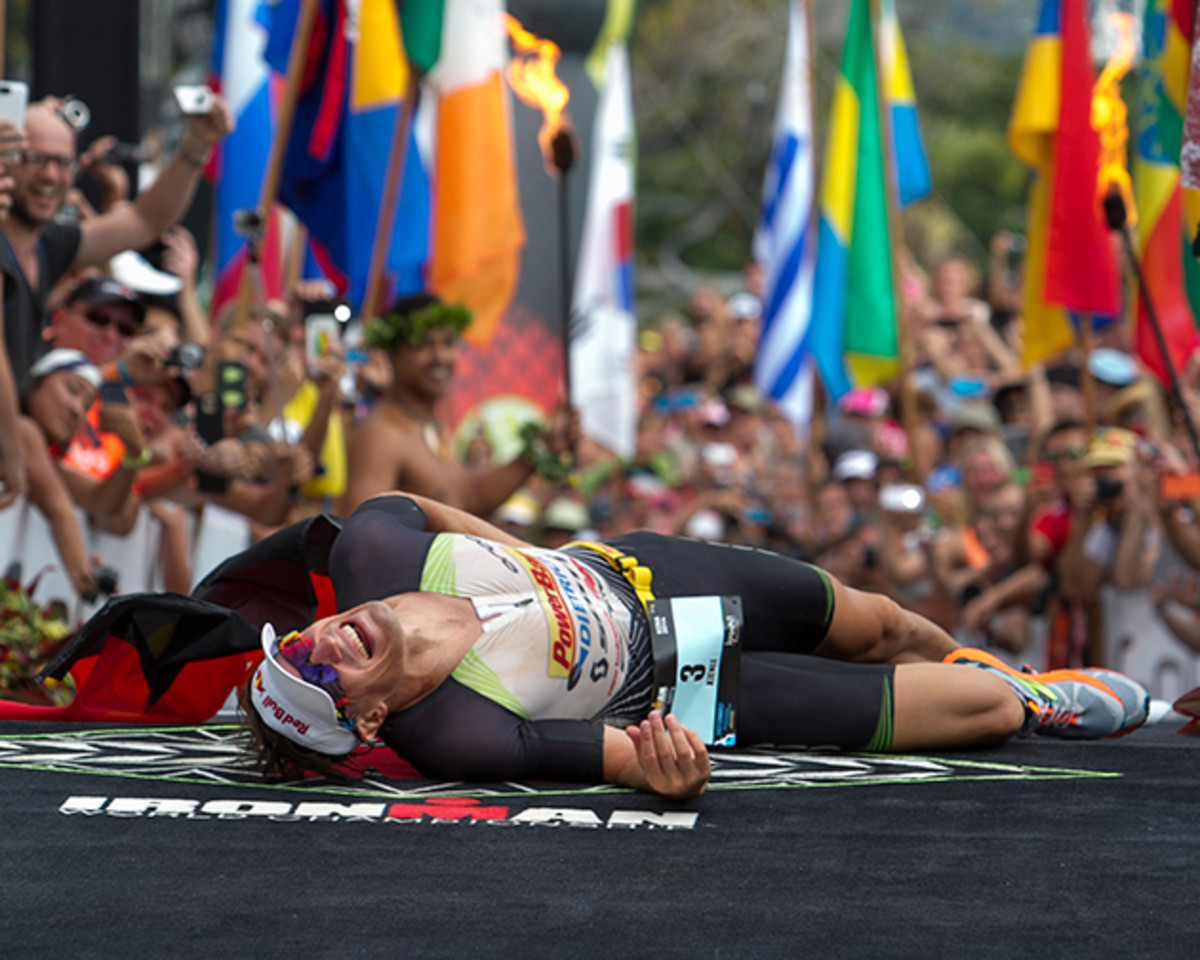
x: 864, y: 402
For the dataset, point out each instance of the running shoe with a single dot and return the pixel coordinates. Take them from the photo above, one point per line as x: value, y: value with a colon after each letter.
x: 1069, y: 704
x: 1134, y: 697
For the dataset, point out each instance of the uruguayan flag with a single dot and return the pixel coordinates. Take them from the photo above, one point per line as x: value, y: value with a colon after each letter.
x: 786, y: 242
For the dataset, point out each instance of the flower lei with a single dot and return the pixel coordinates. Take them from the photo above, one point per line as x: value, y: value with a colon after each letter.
x: 555, y: 467
x: 397, y: 329
x: 29, y: 637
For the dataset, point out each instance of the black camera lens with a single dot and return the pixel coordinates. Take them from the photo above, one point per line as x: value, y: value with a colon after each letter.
x: 186, y: 356
x: 106, y: 584
x: 1108, y: 489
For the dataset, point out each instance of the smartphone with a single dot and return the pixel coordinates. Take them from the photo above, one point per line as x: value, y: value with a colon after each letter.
x: 231, y: 385
x: 1180, y: 486
x: 210, y: 425
x: 901, y: 498
x: 113, y: 393
x: 14, y: 98
x: 193, y: 100
x: 320, y: 330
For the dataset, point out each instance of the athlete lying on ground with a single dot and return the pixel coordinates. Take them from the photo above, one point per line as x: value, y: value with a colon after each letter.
x: 478, y: 657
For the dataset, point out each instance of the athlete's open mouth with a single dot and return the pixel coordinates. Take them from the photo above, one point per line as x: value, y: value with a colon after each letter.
x: 357, y: 636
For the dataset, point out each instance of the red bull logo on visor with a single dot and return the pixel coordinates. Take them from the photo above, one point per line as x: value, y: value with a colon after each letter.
x: 269, y: 705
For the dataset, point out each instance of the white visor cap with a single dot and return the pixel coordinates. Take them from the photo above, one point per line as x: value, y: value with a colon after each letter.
x: 295, y: 708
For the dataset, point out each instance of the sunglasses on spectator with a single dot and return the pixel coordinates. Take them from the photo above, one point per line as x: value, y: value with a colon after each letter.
x: 36, y: 158
x: 125, y: 326
x: 1073, y: 452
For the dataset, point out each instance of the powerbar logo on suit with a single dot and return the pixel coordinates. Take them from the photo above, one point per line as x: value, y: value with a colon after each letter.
x: 571, y: 591
x: 436, y: 811
x: 562, y: 630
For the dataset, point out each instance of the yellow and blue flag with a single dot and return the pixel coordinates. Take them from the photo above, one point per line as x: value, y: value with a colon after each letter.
x: 913, y: 179
x: 853, y: 335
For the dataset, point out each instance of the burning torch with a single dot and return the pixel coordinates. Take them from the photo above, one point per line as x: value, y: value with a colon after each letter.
x: 1109, y: 118
x: 532, y: 76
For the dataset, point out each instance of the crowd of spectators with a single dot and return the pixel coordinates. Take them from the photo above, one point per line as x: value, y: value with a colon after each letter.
x: 976, y: 491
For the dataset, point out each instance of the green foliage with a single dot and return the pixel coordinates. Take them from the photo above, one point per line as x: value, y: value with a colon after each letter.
x: 29, y: 638
x: 977, y: 175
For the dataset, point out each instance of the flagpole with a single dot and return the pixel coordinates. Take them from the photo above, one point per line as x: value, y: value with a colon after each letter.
x: 908, y: 406
x: 1117, y: 218
x: 274, y: 171
x: 293, y: 264
x: 1087, y: 381
x: 816, y: 430
x: 397, y: 161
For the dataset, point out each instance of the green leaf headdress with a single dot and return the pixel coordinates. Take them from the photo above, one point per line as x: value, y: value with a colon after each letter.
x: 411, y: 318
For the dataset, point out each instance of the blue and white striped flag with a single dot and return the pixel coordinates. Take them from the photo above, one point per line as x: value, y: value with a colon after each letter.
x: 786, y: 242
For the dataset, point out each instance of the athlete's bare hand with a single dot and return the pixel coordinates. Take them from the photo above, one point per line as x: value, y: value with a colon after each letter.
x: 673, y: 758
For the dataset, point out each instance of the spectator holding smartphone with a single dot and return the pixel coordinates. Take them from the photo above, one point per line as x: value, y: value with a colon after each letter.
x: 40, y: 161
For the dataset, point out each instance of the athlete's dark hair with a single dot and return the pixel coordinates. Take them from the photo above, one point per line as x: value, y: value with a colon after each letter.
x: 274, y: 755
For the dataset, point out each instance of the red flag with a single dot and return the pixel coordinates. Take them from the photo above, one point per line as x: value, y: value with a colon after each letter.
x: 1081, y: 264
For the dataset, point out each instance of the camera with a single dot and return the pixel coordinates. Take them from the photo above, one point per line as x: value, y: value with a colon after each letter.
x: 248, y: 223
x: 193, y: 100
x: 75, y: 114
x: 185, y: 356
x: 106, y: 584
x: 1108, y: 489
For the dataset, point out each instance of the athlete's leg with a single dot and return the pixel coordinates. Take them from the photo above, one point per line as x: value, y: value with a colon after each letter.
x: 872, y: 628
x: 793, y: 699
x: 937, y: 706
x: 789, y: 606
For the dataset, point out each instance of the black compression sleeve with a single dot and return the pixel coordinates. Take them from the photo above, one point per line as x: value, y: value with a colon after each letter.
x: 456, y: 734
x: 380, y: 552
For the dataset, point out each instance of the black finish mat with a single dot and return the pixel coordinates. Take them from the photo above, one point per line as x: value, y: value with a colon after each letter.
x: 136, y: 842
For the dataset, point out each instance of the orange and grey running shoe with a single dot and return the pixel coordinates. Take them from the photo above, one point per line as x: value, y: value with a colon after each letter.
x: 1134, y: 697
x: 1071, y: 704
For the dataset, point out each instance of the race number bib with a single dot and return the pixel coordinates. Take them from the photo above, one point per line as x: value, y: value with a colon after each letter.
x: 697, y: 648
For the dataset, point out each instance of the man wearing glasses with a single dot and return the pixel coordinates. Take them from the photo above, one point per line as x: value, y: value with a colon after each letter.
x: 35, y: 252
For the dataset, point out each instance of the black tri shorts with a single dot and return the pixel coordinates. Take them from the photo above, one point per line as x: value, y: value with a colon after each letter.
x: 787, y: 696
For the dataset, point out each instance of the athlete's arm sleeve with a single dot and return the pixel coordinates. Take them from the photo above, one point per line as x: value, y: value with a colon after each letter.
x: 380, y: 552
x: 456, y: 734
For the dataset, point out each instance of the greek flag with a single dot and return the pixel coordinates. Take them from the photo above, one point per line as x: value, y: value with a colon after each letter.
x: 786, y: 241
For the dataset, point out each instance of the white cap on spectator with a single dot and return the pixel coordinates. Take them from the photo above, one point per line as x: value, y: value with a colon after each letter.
x: 63, y: 359
x: 705, y: 525
x: 856, y: 465
x: 134, y: 271
x: 744, y: 306
x: 565, y: 513
x: 975, y: 415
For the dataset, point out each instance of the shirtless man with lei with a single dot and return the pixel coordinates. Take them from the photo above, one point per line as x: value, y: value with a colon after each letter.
x: 401, y: 444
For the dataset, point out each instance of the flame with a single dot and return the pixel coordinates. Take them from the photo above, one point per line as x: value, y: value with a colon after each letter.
x: 531, y: 73
x: 1110, y: 119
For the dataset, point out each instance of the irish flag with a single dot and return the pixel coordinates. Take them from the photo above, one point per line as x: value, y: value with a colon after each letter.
x: 477, y: 230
